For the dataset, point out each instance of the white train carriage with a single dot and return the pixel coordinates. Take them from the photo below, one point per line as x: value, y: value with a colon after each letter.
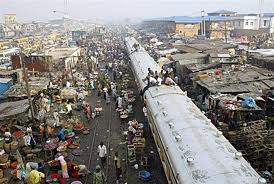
x: 192, y: 150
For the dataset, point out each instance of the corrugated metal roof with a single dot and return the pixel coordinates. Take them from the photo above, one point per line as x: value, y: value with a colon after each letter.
x: 13, y: 108
x: 222, y: 12
x: 220, y: 55
x: 187, y: 56
x: 4, y: 80
x: 196, y: 19
x: 268, y: 15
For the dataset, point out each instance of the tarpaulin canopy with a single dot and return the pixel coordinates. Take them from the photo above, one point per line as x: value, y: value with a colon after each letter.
x: 164, y: 61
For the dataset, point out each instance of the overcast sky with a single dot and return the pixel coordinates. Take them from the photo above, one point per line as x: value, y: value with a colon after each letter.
x: 27, y: 10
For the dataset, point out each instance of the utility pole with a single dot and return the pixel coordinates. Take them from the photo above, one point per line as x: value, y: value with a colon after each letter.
x: 27, y: 86
x: 203, y: 27
x: 225, y: 32
x: 71, y: 72
x: 260, y: 12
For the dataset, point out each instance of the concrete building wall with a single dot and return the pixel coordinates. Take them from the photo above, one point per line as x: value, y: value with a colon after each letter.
x: 219, y: 29
x: 265, y: 22
x: 10, y: 19
x: 73, y: 59
x: 65, y: 57
x: 247, y: 22
x: 158, y: 26
x: 251, y: 22
x: 188, y: 29
x: 271, y: 30
x: 11, y: 27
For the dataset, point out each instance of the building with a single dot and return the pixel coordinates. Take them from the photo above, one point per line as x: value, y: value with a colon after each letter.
x: 10, y: 19
x: 34, y: 63
x: 223, y: 13
x: 218, y: 27
x: 187, y: 26
x: 11, y: 27
x: 31, y: 28
x: 262, y: 58
x: 207, y: 47
x: 64, y: 58
x: 248, y: 21
x: 267, y: 22
x: 254, y: 22
x: 2, y: 31
x: 185, y: 59
x: 222, y: 58
x: 162, y: 26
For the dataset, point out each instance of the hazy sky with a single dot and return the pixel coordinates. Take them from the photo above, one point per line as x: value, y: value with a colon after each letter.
x: 116, y: 9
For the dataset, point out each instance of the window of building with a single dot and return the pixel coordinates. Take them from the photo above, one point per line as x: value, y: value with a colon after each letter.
x: 246, y: 23
x: 251, y: 23
x: 239, y: 23
x: 265, y: 22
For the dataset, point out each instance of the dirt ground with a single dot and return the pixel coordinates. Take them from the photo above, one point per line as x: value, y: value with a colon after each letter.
x: 107, y: 124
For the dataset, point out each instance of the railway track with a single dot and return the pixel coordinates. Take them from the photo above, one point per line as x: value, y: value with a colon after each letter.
x: 91, y: 149
x: 108, y: 142
x: 102, y: 127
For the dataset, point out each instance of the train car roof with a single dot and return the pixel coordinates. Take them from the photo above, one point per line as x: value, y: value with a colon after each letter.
x: 196, y: 149
x: 142, y: 60
x: 198, y: 152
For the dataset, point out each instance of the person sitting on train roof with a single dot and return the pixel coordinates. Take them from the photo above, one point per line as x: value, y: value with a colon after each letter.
x: 153, y: 81
x: 155, y: 73
x: 159, y: 80
x: 167, y: 80
x: 150, y: 72
x: 147, y: 79
x: 162, y: 73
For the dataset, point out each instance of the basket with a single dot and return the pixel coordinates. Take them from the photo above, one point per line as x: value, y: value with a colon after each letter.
x: 7, y: 147
x: 4, y: 158
x: 14, y: 145
x: 21, y: 142
x: 1, y: 143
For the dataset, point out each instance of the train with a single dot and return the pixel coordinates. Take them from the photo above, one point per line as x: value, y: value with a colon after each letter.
x: 192, y: 150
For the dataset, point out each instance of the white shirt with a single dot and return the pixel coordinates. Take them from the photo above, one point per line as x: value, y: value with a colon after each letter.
x: 145, y: 111
x: 152, y: 80
x: 102, y: 151
x: 120, y: 100
x: 105, y: 89
x: 69, y: 108
x: 50, y: 84
x: 68, y: 84
x: 159, y: 80
x: 131, y: 129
